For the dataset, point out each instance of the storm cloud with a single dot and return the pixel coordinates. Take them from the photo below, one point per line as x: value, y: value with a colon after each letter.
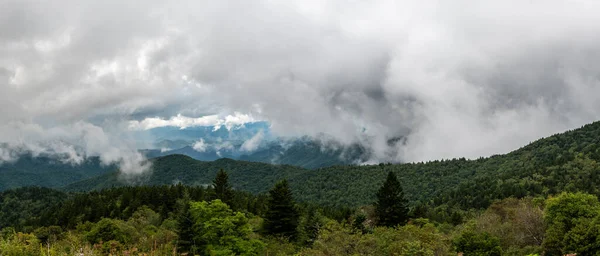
x: 452, y: 78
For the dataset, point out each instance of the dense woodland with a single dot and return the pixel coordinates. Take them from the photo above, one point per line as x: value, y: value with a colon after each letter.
x: 540, y: 199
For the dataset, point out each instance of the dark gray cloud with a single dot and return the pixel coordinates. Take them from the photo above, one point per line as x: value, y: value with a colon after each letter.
x: 452, y: 78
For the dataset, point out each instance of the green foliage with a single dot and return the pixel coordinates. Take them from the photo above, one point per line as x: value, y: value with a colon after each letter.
x: 17, y: 244
x: 222, y: 188
x: 282, y: 217
x: 309, y: 227
x: 584, y: 238
x: 307, y: 153
x: 185, y: 241
x: 110, y: 230
x: 26, y: 207
x: 452, y: 194
x: 391, y: 207
x: 338, y: 239
x: 279, y: 246
x: 518, y: 223
x: 48, y: 234
x: 358, y: 224
x: 220, y: 231
x: 45, y: 171
x: 572, y: 224
x: 122, y: 202
x: 563, y: 162
x: 144, y: 217
x: 480, y: 244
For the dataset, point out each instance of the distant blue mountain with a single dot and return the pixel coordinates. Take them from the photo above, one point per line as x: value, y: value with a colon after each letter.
x: 223, y: 143
x: 305, y: 153
x: 209, y: 133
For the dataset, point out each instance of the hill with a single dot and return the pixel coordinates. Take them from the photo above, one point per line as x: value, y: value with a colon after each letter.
x: 172, y: 169
x: 562, y: 162
x: 303, y: 152
x: 47, y: 172
x: 311, y: 154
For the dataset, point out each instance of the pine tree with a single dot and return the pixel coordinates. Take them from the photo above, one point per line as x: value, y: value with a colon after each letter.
x: 310, y: 225
x: 185, y: 243
x: 222, y: 188
x: 282, y: 216
x: 391, y: 206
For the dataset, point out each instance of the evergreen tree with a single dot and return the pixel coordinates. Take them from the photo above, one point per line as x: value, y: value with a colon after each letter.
x: 222, y: 188
x: 185, y: 243
x: 309, y: 227
x: 358, y: 224
x: 391, y: 207
x: 282, y: 216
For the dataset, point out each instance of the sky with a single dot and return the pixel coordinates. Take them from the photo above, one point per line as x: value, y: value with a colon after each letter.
x: 452, y: 78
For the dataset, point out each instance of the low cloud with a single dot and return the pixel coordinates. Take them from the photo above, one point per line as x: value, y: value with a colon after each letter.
x: 253, y: 143
x: 71, y: 144
x: 200, y: 146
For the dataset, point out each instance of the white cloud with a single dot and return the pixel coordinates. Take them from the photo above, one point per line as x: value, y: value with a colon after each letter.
x: 6, y: 155
x: 253, y: 143
x: 72, y: 144
x: 200, y: 146
x: 183, y: 122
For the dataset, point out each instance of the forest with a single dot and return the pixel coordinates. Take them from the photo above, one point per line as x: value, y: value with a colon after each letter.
x: 541, y: 199
x: 218, y: 220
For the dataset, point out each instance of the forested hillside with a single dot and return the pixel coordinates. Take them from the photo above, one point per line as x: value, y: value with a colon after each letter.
x: 177, y: 219
x: 248, y: 176
x: 563, y: 162
x: 45, y: 171
x: 526, y: 202
x: 306, y: 153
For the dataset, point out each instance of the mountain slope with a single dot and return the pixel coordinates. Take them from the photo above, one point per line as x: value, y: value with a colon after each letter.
x: 47, y: 172
x: 307, y: 153
x: 563, y: 162
x: 172, y: 169
x: 303, y: 152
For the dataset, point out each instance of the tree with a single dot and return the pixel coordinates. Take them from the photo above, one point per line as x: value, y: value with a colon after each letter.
x: 185, y: 241
x: 220, y: 231
x: 569, y: 218
x: 222, y: 188
x: 391, y: 207
x: 480, y: 244
x: 282, y: 216
x: 310, y: 225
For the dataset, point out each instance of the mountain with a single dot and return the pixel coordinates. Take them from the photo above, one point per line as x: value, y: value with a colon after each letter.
x: 562, y: 162
x: 302, y: 152
x: 208, y: 143
x: 307, y: 153
x: 47, y: 171
x: 208, y: 155
x: 172, y: 169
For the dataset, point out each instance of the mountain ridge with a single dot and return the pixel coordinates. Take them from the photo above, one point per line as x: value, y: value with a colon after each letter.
x: 536, y: 169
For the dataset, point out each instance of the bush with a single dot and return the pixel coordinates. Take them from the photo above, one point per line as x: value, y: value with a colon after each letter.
x: 480, y: 244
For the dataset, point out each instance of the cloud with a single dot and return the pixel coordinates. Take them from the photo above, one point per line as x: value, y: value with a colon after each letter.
x: 200, y: 146
x: 6, y: 155
x: 183, y: 122
x: 253, y: 143
x: 451, y: 79
x: 71, y: 144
